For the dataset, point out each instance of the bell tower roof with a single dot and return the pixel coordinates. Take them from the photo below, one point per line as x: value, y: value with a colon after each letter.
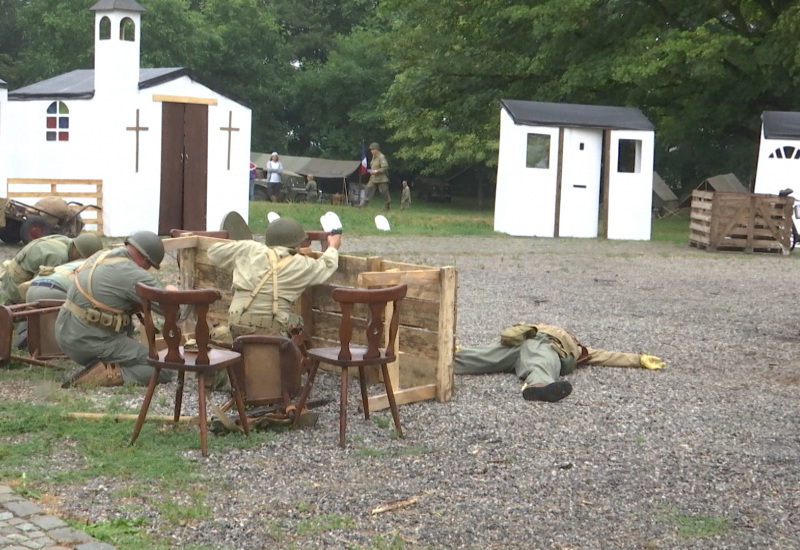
x: 122, y: 5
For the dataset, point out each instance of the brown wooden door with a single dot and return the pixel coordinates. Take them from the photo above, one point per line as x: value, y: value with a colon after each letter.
x: 184, y: 167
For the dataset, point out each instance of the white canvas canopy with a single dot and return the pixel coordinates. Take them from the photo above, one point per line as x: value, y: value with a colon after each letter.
x: 321, y: 168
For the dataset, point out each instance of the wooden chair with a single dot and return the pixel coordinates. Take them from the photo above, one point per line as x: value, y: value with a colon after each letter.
x: 41, y: 319
x: 202, y: 362
x: 270, y: 371
x: 347, y: 355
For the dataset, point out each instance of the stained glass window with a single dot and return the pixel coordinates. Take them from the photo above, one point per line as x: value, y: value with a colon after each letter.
x: 58, y: 118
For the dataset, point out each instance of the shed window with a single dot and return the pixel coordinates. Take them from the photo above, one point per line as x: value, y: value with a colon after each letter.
x: 105, y: 28
x: 629, y: 159
x: 57, y: 121
x: 127, y: 30
x: 786, y: 152
x: 538, y: 155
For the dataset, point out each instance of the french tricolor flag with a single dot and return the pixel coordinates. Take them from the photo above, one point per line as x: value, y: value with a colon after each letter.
x: 363, y: 158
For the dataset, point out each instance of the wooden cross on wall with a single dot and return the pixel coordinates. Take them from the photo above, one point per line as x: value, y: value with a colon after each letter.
x: 229, y: 129
x: 137, y: 129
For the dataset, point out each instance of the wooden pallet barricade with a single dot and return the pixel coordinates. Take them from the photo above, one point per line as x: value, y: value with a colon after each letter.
x: 30, y: 190
x: 747, y: 222
x: 427, y: 318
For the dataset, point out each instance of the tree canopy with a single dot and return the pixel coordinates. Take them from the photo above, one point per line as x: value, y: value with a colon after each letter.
x: 426, y: 78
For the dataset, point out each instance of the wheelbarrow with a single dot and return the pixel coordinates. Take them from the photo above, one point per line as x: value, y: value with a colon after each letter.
x: 26, y: 223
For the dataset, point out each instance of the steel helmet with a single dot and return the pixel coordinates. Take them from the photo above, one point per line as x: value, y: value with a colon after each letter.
x: 375, y: 145
x: 285, y: 232
x: 149, y: 245
x: 87, y: 244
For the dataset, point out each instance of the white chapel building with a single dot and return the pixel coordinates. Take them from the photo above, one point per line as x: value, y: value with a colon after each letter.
x: 559, y: 163
x: 170, y: 149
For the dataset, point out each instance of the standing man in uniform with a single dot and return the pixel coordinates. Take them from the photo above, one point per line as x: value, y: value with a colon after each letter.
x: 94, y: 325
x: 379, y: 176
x: 312, y: 195
x: 51, y: 251
x: 268, y: 278
x: 539, y: 354
x: 405, y: 197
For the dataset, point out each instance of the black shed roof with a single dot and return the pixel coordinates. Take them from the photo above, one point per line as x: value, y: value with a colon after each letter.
x: 781, y: 124
x: 584, y: 116
x: 79, y: 84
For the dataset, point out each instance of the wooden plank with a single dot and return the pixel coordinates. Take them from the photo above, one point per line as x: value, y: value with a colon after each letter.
x: 402, y: 397
x: 46, y: 181
x: 391, y: 278
x: 446, y: 336
x: 416, y: 370
x: 180, y: 243
x: 185, y: 99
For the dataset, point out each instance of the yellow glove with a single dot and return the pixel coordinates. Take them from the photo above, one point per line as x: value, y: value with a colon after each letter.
x: 651, y: 362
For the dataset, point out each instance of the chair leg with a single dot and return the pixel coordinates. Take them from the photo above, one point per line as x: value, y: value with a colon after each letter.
x: 390, y: 396
x: 301, y: 403
x: 201, y: 411
x: 343, y: 408
x: 237, y: 397
x: 364, y: 399
x: 148, y: 396
x: 179, y: 395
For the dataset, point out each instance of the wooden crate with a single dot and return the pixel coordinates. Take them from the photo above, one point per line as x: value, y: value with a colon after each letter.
x: 30, y: 190
x: 426, y: 338
x: 746, y: 222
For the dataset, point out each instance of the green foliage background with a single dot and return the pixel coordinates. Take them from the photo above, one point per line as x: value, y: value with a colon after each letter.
x: 425, y: 78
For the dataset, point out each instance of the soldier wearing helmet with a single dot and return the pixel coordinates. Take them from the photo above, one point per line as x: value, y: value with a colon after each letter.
x: 94, y: 325
x: 379, y: 176
x: 268, y: 278
x: 48, y: 251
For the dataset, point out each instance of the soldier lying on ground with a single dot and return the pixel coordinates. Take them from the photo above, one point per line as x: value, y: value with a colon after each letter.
x: 539, y: 354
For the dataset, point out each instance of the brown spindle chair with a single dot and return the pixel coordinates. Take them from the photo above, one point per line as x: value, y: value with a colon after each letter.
x: 346, y: 355
x: 174, y: 357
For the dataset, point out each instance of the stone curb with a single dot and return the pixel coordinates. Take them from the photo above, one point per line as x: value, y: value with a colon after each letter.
x: 25, y: 526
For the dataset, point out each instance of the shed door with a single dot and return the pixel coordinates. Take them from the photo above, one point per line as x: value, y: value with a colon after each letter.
x: 184, y: 167
x: 580, y: 183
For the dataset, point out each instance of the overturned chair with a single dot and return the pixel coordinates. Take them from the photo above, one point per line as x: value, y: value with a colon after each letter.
x: 203, y: 362
x: 41, y: 343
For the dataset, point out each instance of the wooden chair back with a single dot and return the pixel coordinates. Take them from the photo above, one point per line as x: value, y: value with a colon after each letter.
x: 169, y: 302
x: 376, y: 301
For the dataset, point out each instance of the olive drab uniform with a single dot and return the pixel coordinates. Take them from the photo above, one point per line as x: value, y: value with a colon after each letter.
x: 50, y: 251
x: 266, y: 283
x: 52, y: 283
x: 537, y: 354
x: 379, y: 179
x: 94, y: 324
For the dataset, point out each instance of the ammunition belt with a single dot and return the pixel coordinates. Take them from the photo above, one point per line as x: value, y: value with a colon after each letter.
x: 96, y: 318
x: 257, y: 321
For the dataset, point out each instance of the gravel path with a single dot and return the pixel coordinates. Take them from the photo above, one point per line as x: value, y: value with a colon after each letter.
x: 703, y: 454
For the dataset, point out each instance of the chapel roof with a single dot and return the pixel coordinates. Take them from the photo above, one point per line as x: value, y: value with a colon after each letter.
x: 3, y: 83
x: 122, y: 5
x: 781, y: 124
x: 574, y: 115
x: 79, y: 84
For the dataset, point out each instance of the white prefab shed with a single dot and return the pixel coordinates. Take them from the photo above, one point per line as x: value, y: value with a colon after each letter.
x: 559, y: 162
x: 170, y: 149
x: 779, y: 153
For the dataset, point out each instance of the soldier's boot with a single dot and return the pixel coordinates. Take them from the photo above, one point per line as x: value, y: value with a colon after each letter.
x: 550, y: 392
x: 387, y: 207
x: 100, y: 374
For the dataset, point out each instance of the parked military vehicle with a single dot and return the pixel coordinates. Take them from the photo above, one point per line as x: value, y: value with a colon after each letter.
x: 293, y: 187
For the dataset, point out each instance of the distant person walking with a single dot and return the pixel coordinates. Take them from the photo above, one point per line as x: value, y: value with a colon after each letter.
x: 312, y: 194
x: 379, y: 176
x: 274, y: 170
x: 405, y: 196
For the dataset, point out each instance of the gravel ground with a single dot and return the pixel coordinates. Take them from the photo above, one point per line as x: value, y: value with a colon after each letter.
x: 702, y: 454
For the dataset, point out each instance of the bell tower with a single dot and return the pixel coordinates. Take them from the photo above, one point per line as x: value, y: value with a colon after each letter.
x: 117, y: 34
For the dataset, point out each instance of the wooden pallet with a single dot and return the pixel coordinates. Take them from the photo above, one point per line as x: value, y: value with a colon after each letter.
x: 745, y: 222
x: 30, y: 190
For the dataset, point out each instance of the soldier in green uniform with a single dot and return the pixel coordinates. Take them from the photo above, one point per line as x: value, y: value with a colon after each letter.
x: 50, y: 251
x: 312, y: 194
x: 268, y: 278
x: 405, y: 197
x: 379, y: 176
x: 94, y: 325
x: 539, y: 354
x: 52, y: 283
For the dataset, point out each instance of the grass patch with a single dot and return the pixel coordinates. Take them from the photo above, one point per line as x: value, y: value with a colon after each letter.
x: 462, y: 217
x: 700, y: 526
x: 323, y: 524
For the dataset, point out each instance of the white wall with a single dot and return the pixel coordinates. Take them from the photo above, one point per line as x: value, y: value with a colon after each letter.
x: 775, y: 174
x: 4, y: 152
x: 525, y: 197
x: 630, y: 195
x: 580, y: 182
